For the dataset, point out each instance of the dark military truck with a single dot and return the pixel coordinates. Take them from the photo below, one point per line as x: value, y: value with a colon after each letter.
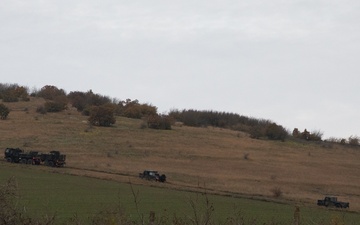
x: 54, y: 158
x: 16, y: 155
x: 152, y: 175
x: 332, y: 202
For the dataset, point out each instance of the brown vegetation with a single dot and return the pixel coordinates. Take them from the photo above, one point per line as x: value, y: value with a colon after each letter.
x: 90, y: 104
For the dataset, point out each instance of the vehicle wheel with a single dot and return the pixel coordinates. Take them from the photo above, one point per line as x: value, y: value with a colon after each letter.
x: 23, y: 161
x: 163, y: 178
x: 51, y: 164
x: 8, y: 159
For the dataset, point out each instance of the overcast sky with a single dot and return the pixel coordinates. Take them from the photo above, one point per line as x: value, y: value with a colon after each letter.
x: 295, y: 62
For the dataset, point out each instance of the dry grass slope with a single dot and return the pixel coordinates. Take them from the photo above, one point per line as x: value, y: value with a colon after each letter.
x: 223, y: 161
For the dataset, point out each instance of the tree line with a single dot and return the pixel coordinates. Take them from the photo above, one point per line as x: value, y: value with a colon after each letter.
x: 102, y: 111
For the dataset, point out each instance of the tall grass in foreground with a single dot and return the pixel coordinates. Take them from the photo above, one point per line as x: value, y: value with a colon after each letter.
x: 202, y: 211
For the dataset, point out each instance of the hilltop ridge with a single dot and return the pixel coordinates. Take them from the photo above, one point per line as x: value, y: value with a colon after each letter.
x: 103, y: 109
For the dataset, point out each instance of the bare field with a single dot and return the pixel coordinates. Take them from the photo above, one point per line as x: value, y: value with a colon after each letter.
x: 220, y: 160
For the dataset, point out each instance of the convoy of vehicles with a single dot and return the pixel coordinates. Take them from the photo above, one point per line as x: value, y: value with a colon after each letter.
x: 56, y: 159
x: 332, y: 202
x: 52, y: 159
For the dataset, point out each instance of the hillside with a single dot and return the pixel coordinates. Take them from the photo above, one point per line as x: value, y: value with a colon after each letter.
x: 220, y: 160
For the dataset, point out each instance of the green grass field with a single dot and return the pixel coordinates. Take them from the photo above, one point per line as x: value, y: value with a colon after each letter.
x: 44, y: 191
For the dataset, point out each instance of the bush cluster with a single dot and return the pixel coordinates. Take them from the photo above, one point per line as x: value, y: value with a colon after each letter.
x: 50, y: 92
x: 57, y: 100
x: 133, y: 109
x: 306, y: 135
x: 353, y: 141
x: 13, y: 93
x: 102, y: 111
x: 275, y: 132
x: 162, y: 122
x: 102, y: 115
x: 83, y: 100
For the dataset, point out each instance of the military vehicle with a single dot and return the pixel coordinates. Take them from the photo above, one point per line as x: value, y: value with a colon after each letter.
x: 16, y: 155
x: 152, y: 175
x: 332, y: 202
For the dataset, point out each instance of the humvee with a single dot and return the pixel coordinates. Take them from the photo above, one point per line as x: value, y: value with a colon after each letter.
x: 152, y: 175
x: 332, y: 202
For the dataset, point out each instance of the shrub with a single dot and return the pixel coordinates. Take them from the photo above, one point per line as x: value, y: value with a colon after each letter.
x: 353, y: 140
x: 133, y: 111
x: 316, y: 135
x: 102, y: 115
x: 159, y: 122
x: 58, y: 104
x: 50, y: 92
x: 77, y: 100
x: 10, y: 96
x: 147, y: 109
x: 4, y: 111
x: 276, y: 132
x: 13, y: 92
x: 53, y: 107
x: 81, y: 100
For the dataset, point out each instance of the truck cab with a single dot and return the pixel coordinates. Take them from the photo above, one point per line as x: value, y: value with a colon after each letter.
x: 13, y: 155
